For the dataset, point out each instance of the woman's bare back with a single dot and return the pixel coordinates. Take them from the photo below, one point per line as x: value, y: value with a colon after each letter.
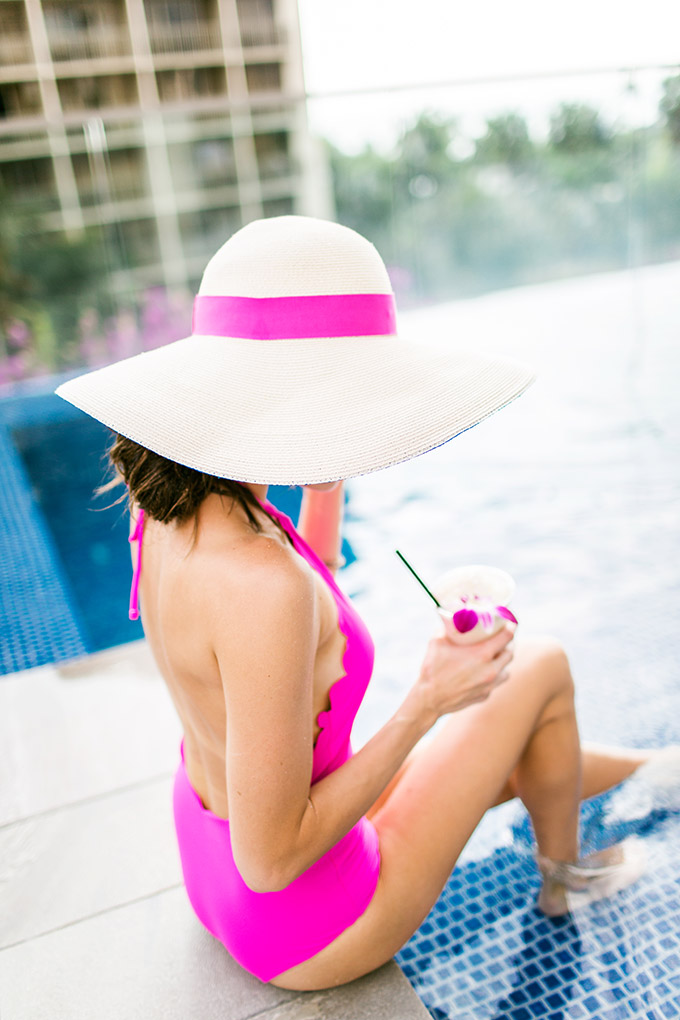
x: 175, y: 571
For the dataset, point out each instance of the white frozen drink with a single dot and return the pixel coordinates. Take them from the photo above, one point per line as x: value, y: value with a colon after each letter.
x: 474, y: 602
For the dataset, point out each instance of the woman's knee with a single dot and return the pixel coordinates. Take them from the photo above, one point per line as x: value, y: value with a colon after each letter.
x: 548, y: 660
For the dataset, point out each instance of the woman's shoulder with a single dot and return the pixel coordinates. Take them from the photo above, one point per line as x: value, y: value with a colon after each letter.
x: 258, y: 579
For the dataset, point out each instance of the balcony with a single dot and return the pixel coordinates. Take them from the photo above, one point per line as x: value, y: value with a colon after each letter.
x: 89, y: 43
x: 15, y: 49
x: 260, y: 33
x: 204, y: 230
x: 31, y: 185
x: 20, y: 99
x: 273, y: 157
x: 185, y: 38
x: 191, y: 83
x: 119, y: 176
x: 15, y: 41
x: 257, y: 24
x: 263, y: 77
x: 98, y: 92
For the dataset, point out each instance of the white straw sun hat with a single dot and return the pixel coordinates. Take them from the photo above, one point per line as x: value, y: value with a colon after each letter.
x: 294, y: 372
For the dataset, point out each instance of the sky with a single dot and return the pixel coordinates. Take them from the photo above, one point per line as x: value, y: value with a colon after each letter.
x: 349, y: 45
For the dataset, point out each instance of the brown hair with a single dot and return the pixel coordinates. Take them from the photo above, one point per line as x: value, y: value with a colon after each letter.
x: 168, y: 491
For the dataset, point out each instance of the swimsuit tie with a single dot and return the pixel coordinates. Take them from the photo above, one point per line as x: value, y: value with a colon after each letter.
x: 136, y: 536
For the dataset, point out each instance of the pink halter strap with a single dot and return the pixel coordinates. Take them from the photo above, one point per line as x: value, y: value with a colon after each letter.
x: 136, y: 536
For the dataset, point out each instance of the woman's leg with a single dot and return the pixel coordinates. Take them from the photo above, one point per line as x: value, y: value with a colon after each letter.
x: 602, y: 767
x: 524, y: 733
x: 548, y: 774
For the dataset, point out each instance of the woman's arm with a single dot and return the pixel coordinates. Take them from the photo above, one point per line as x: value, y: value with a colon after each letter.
x: 320, y: 522
x: 265, y: 647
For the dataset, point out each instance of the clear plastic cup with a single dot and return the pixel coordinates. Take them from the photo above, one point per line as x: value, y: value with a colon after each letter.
x: 475, y: 602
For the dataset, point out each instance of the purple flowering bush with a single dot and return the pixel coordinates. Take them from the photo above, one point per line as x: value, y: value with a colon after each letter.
x: 29, y: 347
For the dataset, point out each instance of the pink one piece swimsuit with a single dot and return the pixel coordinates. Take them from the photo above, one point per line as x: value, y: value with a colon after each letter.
x: 267, y: 933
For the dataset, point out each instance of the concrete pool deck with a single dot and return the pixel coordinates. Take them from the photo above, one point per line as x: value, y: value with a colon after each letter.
x: 94, y: 920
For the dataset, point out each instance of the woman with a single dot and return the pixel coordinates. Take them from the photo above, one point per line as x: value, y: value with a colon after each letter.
x: 311, y: 864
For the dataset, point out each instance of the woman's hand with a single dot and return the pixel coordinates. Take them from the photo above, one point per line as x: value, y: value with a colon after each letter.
x: 455, y: 676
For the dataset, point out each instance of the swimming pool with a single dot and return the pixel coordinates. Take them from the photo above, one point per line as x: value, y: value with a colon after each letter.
x: 574, y: 489
x: 486, y: 952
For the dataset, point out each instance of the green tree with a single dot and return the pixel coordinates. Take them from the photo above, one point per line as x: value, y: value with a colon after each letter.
x: 426, y: 180
x: 670, y: 107
x: 575, y: 128
x: 506, y: 141
x: 45, y: 281
x: 422, y: 163
x: 12, y: 286
x: 363, y: 192
x: 425, y: 145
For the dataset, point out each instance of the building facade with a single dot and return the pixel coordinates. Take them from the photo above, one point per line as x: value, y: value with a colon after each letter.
x: 165, y: 124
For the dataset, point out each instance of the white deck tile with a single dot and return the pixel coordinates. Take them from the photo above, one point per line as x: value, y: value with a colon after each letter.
x: 80, y: 860
x: 72, y: 732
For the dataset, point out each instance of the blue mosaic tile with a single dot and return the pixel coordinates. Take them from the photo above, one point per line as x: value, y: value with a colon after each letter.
x: 37, y: 622
x: 598, y: 963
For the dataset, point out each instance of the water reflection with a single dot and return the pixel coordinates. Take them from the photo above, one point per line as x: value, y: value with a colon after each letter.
x: 547, y: 968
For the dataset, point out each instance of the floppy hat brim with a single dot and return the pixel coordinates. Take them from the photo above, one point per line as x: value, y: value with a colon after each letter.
x: 296, y: 411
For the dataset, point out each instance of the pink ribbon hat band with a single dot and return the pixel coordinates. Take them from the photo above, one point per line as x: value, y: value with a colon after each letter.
x: 286, y: 318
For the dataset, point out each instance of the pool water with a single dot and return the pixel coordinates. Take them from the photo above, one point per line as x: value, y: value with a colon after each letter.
x: 575, y: 491
x: 486, y: 953
x: 65, y: 461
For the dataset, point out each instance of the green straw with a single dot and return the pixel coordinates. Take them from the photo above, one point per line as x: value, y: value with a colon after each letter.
x: 418, y: 579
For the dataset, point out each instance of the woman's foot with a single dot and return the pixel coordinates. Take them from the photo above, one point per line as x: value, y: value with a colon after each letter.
x: 569, y: 884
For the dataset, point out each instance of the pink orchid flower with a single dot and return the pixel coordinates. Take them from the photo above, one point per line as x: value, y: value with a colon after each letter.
x: 467, y: 618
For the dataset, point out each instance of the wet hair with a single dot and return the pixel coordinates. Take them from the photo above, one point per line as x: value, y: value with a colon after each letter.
x: 168, y: 491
